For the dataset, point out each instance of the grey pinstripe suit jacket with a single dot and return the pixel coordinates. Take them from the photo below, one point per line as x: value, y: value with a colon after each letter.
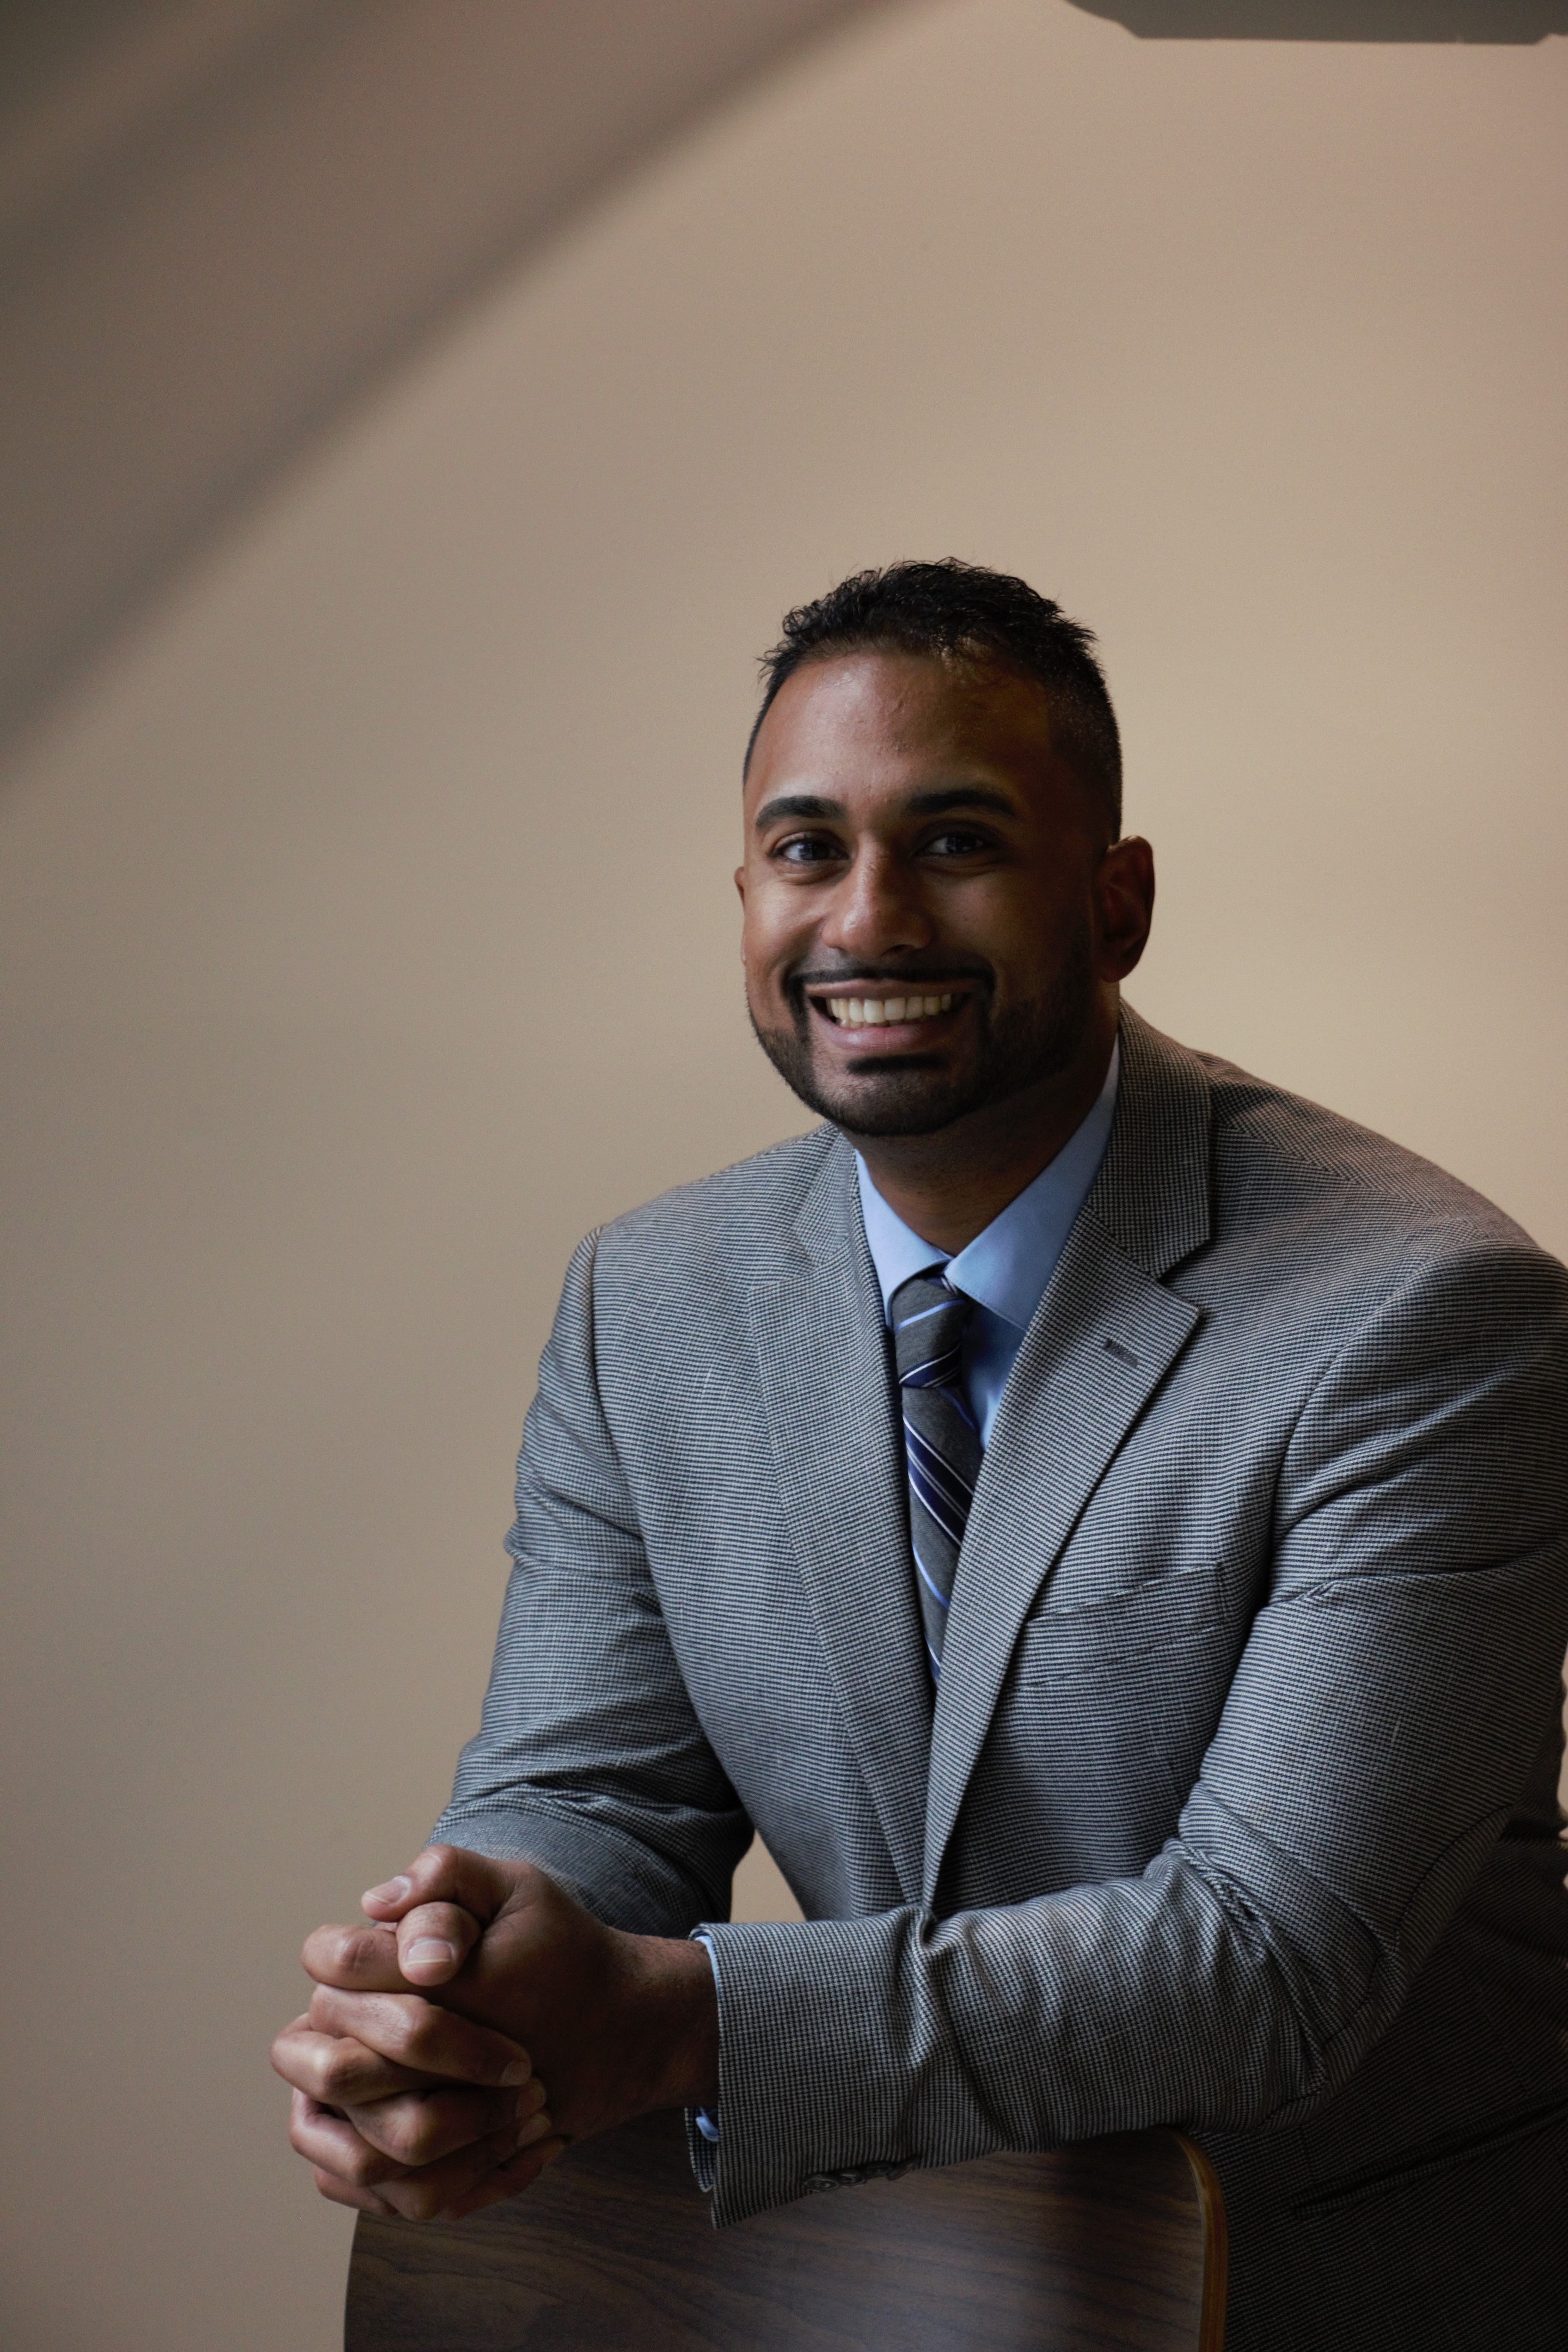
x: 1237, y: 1809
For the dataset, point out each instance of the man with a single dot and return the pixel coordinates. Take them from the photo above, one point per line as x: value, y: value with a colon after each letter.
x: 1097, y: 1517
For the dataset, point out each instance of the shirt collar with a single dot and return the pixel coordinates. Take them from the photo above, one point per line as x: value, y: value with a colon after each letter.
x: 1006, y: 1268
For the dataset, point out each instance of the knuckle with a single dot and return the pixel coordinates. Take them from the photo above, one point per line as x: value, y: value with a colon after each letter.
x: 339, y: 2070
x: 365, y: 2165
x: 323, y: 2010
x: 357, y: 1948
x: 434, y: 1870
x: 420, y: 2030
x: 420, y: 2201
x: 403, y: 2130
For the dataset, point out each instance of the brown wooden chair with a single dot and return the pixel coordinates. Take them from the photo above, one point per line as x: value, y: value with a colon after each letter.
x: 1117, y: 2244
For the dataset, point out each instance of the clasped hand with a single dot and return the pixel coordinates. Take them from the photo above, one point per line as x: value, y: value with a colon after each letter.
x: 418, y: 2071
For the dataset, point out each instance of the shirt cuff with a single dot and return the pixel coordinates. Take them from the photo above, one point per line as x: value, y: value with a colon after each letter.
x: 706, y: 2123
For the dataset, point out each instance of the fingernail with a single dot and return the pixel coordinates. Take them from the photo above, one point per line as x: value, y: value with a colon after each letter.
x: 536, y: 2128
x: 530, y: 2101
x: 557, y: 2148
x: 394, y: 1891
x: 433, y: 1952
x: 517, y: 2072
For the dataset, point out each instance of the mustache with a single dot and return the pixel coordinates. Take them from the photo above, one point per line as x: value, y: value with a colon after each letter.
x: 908, y: 974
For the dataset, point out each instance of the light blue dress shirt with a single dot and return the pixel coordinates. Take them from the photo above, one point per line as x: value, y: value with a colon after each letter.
x: 1003, y: 1269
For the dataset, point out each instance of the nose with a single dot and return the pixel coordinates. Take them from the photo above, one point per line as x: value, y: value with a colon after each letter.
x: 878, y: 909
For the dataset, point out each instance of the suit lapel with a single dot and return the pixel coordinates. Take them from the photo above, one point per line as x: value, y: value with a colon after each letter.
x: 1106, y: 1333
x: 821, y: 1349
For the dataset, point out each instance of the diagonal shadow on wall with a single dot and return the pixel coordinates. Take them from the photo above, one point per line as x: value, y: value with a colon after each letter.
x: 224, y: 223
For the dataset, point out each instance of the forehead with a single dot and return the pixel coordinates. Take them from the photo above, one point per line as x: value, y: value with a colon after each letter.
x: 872, y: 720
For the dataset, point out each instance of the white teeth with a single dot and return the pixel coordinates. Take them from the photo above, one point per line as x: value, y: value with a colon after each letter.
x: 877, y: 1012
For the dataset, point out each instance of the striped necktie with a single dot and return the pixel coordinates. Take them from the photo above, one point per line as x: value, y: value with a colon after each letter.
x: 941, y: 1444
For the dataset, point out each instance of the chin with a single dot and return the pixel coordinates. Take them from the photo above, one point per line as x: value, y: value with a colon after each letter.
x: 912, y: 1094
x: 896, y: 1101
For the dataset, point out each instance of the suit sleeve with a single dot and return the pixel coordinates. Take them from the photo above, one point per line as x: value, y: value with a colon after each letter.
x: 1383, y: 1721
x: 590, y: 1760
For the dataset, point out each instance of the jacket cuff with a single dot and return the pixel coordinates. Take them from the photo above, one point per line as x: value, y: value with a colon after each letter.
x: 829, y: 2073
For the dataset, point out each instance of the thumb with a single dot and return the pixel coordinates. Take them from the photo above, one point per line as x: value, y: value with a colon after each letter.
x: 476, y: 1882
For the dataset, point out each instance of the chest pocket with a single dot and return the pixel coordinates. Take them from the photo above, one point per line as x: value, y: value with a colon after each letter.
x: 1162, y: 1615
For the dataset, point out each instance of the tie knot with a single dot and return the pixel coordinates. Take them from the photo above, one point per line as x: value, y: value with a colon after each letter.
x: 928, y: 1316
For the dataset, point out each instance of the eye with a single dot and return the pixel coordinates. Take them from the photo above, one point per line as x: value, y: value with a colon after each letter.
x: 959, y: 840
x: 806, y: 849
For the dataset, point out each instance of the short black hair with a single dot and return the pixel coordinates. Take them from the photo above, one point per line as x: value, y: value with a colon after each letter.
x: 955, y: 610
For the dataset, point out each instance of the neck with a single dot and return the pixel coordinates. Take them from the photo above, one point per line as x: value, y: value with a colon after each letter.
x: 950, y: 1186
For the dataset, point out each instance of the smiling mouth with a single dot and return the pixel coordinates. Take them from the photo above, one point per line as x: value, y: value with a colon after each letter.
x: 883, y: 1012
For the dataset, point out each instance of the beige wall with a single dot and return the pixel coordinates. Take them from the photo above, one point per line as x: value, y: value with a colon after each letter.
x: 369, y: 932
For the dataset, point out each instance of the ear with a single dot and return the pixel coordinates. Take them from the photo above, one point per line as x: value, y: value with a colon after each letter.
x: 1124, y: 900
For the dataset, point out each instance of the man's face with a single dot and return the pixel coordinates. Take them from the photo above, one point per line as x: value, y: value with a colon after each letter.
x: 933, y: 922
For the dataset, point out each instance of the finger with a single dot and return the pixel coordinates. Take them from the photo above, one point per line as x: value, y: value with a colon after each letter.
x: 332, y: 2146
x: 415, y: 2034
x: 337, y: 2071
x: 437, y: 2190
x: 391, y: 1899
x: 434, y: 1940
x: 419, y: 2128
x: 510, y: 2179
x: 363, y: 1958
x: 446, y: 1874
x: 367, y: 2201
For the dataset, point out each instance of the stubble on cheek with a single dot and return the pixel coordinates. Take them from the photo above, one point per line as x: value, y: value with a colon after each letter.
x: 788, y: 1045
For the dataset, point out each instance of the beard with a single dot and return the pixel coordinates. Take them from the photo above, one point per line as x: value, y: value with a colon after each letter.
x: 911, y: 1094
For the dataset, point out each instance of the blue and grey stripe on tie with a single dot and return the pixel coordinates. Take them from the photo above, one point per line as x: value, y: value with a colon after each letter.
x: 941, y: 1444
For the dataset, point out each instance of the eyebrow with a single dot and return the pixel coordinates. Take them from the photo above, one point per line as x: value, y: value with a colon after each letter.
x: 789, y: 805
x: 795, y: 804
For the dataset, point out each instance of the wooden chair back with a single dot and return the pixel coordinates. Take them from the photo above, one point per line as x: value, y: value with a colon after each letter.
x: 1115, y: 2244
